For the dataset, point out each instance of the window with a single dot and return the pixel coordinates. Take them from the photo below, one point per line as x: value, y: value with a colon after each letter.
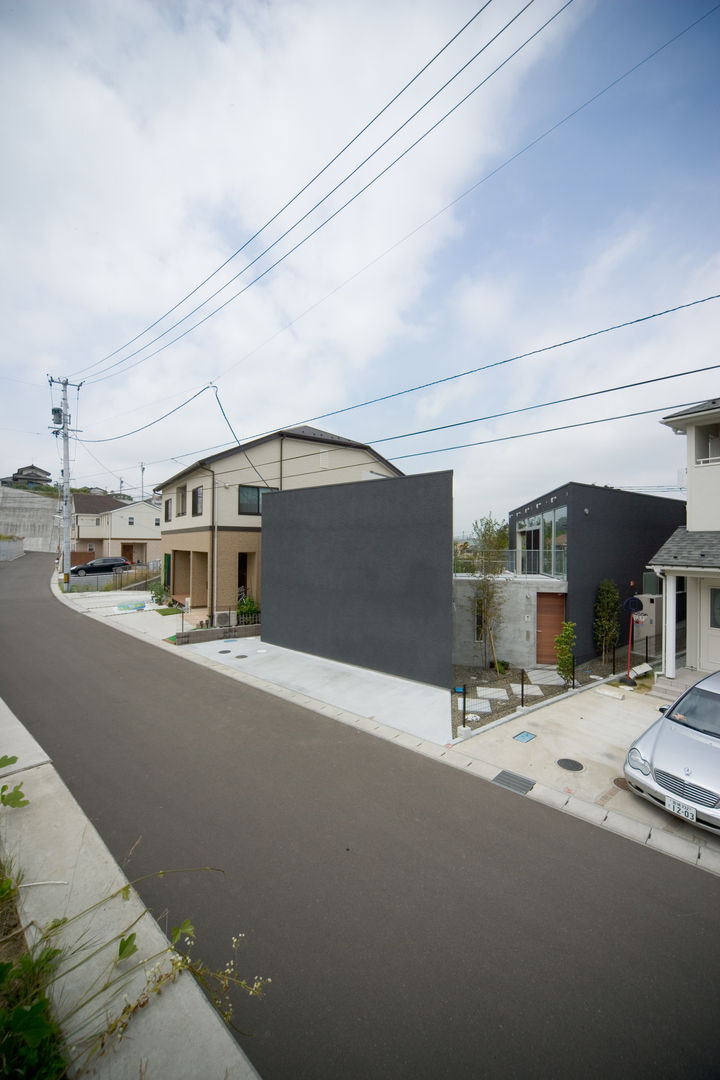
x: 131, y: 521
x: 97, y: 521
x: 157, y: 522
x: 181, y: 501
x: 168, y: 509
x: 715, y: 609
x: 250, y: 499
x: 197, y: 501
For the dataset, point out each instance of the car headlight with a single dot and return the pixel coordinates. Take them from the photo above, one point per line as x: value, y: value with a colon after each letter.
x: 637, y: 761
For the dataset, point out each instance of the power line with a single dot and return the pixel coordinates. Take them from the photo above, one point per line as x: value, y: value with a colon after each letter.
x: 444, y: 379
x: 101, y: 376
x: 507, y: 360
x: 448, y: 206
x: 546, y: 404
x: 302, y: 190
x: 114, y: 438
x: 545, y: 431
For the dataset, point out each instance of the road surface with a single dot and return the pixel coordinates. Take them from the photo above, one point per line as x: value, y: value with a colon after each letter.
x: 416, y: 922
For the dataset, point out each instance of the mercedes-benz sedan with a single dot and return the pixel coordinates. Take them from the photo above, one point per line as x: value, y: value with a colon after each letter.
x: 675, y: 764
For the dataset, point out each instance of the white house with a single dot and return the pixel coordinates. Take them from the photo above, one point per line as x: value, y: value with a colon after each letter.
x: 103, y: 525
x: 692, y: 554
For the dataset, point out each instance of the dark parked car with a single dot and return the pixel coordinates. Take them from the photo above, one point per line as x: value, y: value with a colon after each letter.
x: 109, y: 564
x: 675, y: 764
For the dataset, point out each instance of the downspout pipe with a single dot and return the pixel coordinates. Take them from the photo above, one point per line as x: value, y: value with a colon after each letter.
x: 213, y: 518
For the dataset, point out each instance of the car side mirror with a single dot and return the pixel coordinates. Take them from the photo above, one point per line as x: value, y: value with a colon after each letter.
x: 663, y: 708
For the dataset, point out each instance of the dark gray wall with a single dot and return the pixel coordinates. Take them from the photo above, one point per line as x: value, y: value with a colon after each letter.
x: 362, y: 573
x: 615, y: 539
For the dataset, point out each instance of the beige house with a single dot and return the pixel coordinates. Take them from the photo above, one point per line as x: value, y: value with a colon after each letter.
x: 691, y: 557
x: 103, y: 525
x: 212, y: 511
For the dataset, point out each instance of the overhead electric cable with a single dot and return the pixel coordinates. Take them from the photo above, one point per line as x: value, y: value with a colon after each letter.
x: 114, y: 438
x: 544, y: 431
x: 302, y: 190
x: 507, y: 360
x: 107, y: 374
x: 546, y: 404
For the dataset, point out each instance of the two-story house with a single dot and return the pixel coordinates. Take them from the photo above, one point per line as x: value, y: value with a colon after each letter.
x: 692, y: 554
x: 104, y: 525
x: 212, y: 510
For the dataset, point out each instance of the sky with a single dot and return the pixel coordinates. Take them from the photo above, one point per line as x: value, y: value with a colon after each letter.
x: 393, y: 201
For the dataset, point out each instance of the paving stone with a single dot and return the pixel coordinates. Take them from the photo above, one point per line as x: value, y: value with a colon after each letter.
x: 530, y: 691
x: 709, y: 859
x: 549, y: 796
x: 586, y: 810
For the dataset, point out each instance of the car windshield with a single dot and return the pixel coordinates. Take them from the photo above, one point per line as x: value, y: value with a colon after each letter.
x: 698, y: 709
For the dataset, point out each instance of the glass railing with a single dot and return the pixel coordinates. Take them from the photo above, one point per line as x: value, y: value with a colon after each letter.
x: 549, y: 563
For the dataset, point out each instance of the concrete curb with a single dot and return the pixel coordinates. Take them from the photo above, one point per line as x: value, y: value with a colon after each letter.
x: 66, y: 869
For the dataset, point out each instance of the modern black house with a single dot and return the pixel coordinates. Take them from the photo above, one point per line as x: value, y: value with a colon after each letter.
x: 585, y: 533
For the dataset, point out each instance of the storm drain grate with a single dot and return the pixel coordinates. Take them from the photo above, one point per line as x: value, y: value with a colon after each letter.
x: 513, y: 782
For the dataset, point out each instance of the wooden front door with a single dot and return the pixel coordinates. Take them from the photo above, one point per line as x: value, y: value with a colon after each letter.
x: 550, y: 617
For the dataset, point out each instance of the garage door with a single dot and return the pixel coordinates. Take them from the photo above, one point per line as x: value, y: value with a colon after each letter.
x: 550, y: 617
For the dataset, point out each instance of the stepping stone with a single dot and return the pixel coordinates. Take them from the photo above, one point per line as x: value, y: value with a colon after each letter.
x: 530, y: 691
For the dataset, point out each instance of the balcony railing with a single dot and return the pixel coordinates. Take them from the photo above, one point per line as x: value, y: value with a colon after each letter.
x: 549, y: 563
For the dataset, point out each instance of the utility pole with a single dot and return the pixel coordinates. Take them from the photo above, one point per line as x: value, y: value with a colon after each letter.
x: 142, y: 481
x: 61, y: 425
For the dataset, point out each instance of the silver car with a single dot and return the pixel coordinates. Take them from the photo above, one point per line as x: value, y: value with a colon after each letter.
x: 675, y: 764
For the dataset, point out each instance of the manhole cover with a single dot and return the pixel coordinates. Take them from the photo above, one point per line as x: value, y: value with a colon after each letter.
x: 241, y: 656
x: 622, y: 783
x: 570, y: 764
x: 222, y: 651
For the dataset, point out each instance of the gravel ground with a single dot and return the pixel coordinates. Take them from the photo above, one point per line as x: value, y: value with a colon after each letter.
x: 500, y: 695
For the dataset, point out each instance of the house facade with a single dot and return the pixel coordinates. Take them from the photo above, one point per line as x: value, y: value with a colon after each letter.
x: 562, y: 545
x: 29, y: 476
x: 212, y: 511
x: 103, y: 525
x: 691, y: 556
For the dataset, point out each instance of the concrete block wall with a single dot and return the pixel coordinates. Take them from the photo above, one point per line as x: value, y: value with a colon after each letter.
x: 11, y: 549
x: 516, y: 636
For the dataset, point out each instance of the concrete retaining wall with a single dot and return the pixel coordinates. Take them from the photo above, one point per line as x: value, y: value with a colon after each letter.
x: 11, y: 549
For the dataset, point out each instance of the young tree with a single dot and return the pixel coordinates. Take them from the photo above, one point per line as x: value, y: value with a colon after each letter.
x: 490, y: 542
x: 488, y: 614
x: 564, y: 645
x: 606, y: 628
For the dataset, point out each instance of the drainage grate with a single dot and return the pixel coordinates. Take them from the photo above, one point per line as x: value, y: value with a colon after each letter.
x: 513, y: 782
x: 570, y: 764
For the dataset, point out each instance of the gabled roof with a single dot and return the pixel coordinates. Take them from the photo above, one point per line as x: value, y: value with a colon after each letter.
x: 679, y: 421
x: 694, y: 550
x: 95, y: 504
x: 303, y: 431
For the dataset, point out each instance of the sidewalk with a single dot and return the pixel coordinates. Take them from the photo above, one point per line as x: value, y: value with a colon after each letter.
x: 592, y: 727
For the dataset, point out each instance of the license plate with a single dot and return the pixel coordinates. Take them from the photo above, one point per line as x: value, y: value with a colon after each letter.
x: 680, y: 808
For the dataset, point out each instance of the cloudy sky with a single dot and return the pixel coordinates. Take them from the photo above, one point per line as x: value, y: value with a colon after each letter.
x: 209, y: 191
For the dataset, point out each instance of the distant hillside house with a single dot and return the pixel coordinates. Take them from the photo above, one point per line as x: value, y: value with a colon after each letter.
x: 29, y: 476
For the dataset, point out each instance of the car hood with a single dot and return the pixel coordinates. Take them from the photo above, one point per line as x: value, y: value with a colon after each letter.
x: 676, y: 749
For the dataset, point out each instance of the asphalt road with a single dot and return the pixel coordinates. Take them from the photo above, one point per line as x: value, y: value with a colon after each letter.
x: 416, y: 922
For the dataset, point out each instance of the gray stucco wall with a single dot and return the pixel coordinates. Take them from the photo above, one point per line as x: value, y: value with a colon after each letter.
x: 362, y: 573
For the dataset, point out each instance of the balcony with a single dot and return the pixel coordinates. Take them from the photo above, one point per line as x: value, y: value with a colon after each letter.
x: 519, y: 562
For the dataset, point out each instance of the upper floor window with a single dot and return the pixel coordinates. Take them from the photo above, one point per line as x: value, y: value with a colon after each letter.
x: 97, y: 521
x: 707, y: 444
x: 168, y: 509
x: 181, y: 501
x: 197, y: 501
x: 250, y: 499
x: 157, y: 522
x: 131, y: 521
